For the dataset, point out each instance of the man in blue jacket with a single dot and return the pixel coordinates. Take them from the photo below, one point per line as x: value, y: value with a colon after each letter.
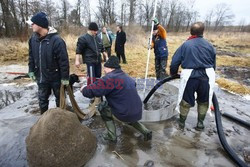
x: 197, y: 58
x: 123, y: 100
x: 159, y: 43
x: 48, y: 60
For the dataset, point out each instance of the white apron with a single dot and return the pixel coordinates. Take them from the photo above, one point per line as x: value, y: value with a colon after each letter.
x: 185, y: 74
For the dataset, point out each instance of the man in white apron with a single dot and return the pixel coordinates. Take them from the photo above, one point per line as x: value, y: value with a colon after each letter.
x: 197, y: 58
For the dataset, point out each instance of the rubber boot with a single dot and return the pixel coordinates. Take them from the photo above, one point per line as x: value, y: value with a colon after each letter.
x: 141, y: 128
x: 184, y: 109
x: 202, y: 110
x: 111, y: 131
x: 43, y: 110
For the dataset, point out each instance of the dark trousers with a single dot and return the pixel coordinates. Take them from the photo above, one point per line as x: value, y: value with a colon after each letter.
x: 160, y: 67
x: 94, y: 71
x: 119, y: 55
x: 200, y: 86
x: 44, y: 91
x: 108, y: 50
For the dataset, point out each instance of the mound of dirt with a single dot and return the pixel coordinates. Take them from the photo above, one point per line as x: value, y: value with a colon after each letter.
x: 58, y: 139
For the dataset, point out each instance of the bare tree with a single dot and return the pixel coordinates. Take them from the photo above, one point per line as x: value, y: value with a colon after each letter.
x: 106, y: 11
x: 132, y: 6
x: 8, y: 19
x: 172, y: 11
x: 86, y: 15
x: 223, y: 16
x: 208, y: 19
x: 65, y: 11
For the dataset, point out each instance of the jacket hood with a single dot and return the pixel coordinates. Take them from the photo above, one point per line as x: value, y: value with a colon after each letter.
x: 52, y: 30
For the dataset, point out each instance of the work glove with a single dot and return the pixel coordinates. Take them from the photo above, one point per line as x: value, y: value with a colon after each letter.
x: 65, y: 82
x: 32, y: 76
x: 155, y: 20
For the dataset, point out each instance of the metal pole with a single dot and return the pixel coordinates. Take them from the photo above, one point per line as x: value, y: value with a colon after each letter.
x: 149, y: 50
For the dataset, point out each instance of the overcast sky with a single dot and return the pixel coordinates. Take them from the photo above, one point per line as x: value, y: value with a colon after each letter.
x: 240, y: 8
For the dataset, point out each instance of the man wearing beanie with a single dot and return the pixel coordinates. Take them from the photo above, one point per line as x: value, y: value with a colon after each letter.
x: 123, y: 101
x: 90, y: 47
x: 48, y: 60
x: 159, y: 44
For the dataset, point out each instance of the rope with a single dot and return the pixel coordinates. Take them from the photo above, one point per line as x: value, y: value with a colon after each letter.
x: 75, y: 106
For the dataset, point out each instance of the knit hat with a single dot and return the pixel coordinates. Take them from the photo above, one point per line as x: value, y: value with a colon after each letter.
x: 113, y: 62
x: 93, y: 26
x: 40, y: 19
x: 155, y: 27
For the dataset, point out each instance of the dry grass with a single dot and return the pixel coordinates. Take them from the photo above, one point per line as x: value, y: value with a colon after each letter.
x: 233, y: 86
x: 233, y: 61
x: 12, y: 51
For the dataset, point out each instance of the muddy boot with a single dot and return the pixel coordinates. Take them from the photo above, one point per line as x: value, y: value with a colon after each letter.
x: 184, y: 109
x: 141, y: 128
x: 111, y: 131
x: 202, y: 110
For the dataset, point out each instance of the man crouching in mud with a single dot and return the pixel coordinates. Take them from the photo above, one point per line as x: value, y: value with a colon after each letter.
x: 123, y: 101
x: 197, y: 58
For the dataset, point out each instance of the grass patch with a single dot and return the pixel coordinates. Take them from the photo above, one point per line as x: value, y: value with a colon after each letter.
x: 13, y: 51
x: 233, y: 61
x: 233, y: 86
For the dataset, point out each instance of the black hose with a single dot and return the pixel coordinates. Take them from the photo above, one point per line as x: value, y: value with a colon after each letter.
x: 158, y: 85
x: 240, y: 121
x: 222, y: 137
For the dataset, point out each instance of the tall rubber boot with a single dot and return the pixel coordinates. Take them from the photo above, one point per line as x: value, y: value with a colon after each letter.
x: 111, y: 131
x: 202, y: 111
x: 184, y: 109
x: 141, y: 128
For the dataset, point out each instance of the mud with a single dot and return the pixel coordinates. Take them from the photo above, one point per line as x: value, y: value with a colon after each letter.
x: 169, y: 146
x: 239, y: 74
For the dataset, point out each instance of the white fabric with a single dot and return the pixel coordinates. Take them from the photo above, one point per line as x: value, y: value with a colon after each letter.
x: 211, y: 75
x: 185, y: 75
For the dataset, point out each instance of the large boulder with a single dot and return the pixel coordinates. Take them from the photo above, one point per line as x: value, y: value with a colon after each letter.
x: 58, y: 139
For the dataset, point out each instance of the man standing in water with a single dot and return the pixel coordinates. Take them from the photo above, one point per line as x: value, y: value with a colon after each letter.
x: 197, y: 58
x: 48, y: 60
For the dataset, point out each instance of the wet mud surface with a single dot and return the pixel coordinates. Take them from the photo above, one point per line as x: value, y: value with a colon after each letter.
x: 169, y: 147
x: 239, y: 74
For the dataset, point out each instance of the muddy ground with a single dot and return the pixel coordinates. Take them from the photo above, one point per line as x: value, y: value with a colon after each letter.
x: 169, y: 146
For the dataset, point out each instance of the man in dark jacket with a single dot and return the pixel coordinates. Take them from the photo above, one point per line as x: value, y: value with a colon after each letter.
x: 48, y: 60
x: 123, y: 100
x: 119, y: 44
x: 197, y: 58
x: 90, y: 47
x: 106, y: 41
x: 159, y: 43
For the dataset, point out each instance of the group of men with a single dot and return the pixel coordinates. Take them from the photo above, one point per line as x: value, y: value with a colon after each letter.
x: 49, y: 67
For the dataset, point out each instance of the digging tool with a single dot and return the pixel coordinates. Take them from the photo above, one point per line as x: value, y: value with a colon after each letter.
x: 149, y: 50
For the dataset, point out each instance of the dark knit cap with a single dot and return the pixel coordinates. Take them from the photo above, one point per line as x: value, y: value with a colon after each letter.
x: 113, y: 62
x: 93, y: 26
x: 155, y: 27
x: 40, y: 19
